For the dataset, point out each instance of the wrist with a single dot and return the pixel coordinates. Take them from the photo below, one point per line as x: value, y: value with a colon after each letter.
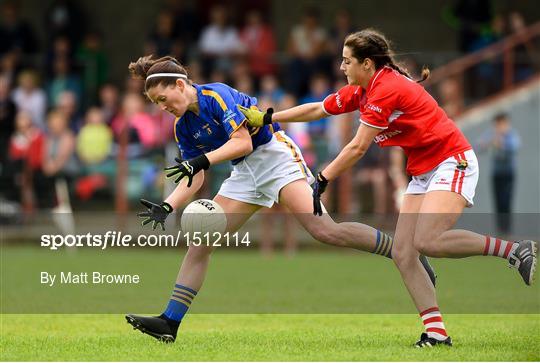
x: 203, y: 161
x: 321, y: 177
x: 168, y: 208
x: 267, y: 117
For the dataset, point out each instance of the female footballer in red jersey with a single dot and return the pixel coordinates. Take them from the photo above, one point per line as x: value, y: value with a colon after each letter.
x: 397, y: 111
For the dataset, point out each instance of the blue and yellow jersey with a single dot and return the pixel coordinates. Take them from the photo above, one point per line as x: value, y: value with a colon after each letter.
x: 218, y: 119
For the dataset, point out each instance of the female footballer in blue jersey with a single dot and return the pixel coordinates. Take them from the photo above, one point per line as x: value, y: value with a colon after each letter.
x: 268, y: 168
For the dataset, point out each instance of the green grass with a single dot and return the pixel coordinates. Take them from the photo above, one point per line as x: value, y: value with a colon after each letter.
x: 318, y: 306
x: 243, y: 282
x: 215, y: 337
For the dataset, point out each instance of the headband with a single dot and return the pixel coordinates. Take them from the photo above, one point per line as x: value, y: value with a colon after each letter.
x: 178, y: 75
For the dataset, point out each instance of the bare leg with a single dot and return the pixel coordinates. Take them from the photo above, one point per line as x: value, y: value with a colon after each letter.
x: 195, y: 264
x: 405, y: 256
x: 297, y: 196
x: 440, y: 211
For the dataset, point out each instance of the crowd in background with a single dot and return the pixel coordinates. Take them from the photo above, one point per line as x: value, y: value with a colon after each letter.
x: 62, y: 119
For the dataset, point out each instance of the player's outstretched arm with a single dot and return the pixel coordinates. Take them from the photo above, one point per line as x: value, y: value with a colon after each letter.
x: 352, y: 152
x: 302, y: 113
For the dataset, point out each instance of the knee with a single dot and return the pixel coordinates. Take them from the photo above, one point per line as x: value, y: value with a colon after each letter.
x: 425, y: 247
x: 403, y: 255
x: 199, y: 252
x: 324, y: 232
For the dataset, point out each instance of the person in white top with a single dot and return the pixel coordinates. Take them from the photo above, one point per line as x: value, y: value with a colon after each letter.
x: 30, y: 98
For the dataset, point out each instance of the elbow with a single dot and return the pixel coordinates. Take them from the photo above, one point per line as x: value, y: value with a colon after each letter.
x: 358, y: 150
x: 247, y: 147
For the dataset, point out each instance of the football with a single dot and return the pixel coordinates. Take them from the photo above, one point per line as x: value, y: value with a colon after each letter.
x: 203, y: 215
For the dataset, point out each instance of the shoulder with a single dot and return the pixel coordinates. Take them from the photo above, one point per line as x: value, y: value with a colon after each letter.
x: 219, y: 93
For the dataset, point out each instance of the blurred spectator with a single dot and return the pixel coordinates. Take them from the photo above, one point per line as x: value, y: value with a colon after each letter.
x: 259, y: 44
x: 470, y: 18
x: 195, y: 72
x: 339, y: 31
x: 26, y: 149
x: 504, y: 142
x: 30, y: 98
x: 59, y: 168
x: 109, y: 102
x: 27, y: 142
x: 59, y: 157
x: 451, y: 97
x: 9, y: 67
x: 486, y: 78
x: 94, y: 142
x: 18, y: 38
x: 61, y: 48
x: 133, y: 85
x: 94, y: 66
x: 270, y: 88
x: 7, y: 128
x: 141, y: 127
x: 7, y: 118
x: 64, y: 18
x: 67, y: 103
x: 162, y: 38
x: 219, y: 42
x: 244, y: 84
x: 63, y: 80
x: 298, y: 131
x: 242, y: 78
x: 526, y: 54
x: 305, y: 48
x: 319, y: 89
x: 412, y: 66
x: 372, y: 170
x: 189, y: 27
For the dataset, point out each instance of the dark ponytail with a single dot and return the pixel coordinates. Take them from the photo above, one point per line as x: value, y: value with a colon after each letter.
x: 146, y: 66
x: 369, y: 43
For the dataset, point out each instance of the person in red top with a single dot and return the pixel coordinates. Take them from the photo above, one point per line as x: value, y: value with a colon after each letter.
x: 397, y: 111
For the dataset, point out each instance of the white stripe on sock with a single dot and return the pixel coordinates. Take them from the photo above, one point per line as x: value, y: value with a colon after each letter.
x: 491, y: 246
x: 431, y: 315
x: 435, y: 324
x: 437, y: 336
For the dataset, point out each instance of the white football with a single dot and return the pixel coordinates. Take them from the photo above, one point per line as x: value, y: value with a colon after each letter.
x: 203, y: 215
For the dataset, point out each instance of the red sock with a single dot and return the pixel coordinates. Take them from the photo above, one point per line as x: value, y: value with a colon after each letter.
x: 433, y: 323
x: 498, y: 247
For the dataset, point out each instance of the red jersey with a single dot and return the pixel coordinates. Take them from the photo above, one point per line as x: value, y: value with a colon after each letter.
x: 406, y: 114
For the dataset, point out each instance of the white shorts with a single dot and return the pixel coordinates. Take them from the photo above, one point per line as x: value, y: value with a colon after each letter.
x: 260, y: 176
x: 458, y: 173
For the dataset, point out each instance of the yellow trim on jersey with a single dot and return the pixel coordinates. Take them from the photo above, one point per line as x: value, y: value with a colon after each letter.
x: 216, y: 96
x: 176, y: 136
x: 296, y: 157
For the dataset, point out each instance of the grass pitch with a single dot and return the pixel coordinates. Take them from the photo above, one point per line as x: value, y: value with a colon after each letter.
x: 318, y: 306
x: 313, y: 337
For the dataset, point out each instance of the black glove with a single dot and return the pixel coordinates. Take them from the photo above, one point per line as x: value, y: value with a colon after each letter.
x: 156, y: 213
x: 188, y: 168
x: 318, y: 188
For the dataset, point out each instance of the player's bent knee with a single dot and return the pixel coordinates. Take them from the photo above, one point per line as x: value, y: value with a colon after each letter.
x: 323, y: 233
x: 199, y: 251
x: 404, y: 257
x: 425, y: 247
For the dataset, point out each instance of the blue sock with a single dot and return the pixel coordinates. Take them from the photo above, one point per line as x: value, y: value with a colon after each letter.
x: 383, y: 245
x: 179, y: 303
